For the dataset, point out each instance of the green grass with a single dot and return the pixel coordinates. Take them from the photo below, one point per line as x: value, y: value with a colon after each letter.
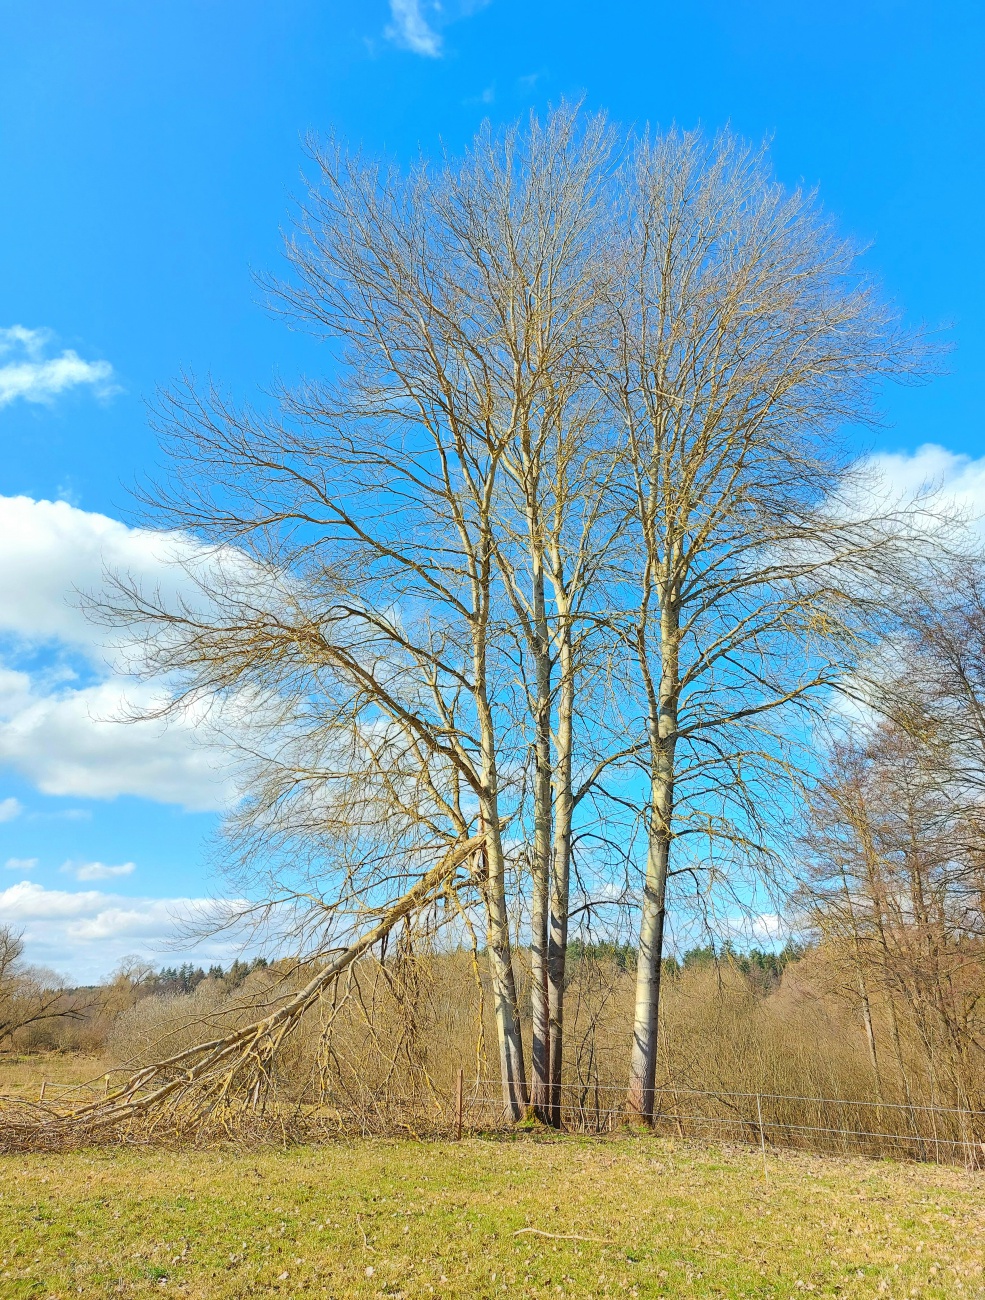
x: 402, y: 1218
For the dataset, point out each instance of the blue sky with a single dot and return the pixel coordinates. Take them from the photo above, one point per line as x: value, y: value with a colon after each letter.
x: 148, y: 154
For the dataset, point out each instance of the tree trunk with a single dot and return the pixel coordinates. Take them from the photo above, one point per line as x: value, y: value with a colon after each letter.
x: 560, y: 879
x: 662, y: 728
x: 540, y: 1052
x: 870, y: 1033
x: 643, y: 1056
x: 505, y: 1009
x: 513, y: 1075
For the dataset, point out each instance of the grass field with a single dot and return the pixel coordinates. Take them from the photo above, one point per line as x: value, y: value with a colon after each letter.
x: 400, y: 1218
x: 22, y: 1076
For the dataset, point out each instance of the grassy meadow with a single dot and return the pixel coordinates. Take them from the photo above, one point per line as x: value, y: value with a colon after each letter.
x: 630, y: 1216
x: 63, y: 1074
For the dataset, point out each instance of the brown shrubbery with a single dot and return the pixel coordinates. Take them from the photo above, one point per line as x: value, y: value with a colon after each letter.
x: 389, y: 1044
x: 767, y: 1048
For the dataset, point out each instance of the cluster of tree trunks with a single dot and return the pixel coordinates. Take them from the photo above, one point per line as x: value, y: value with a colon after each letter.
x: 560, y: 554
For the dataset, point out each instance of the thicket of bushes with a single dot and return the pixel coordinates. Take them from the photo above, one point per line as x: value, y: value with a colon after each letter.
x: 391, y: 1042
x: 756, y: 1021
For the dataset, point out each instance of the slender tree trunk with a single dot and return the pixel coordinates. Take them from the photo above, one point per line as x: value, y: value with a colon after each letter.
x: 560, y: 876
x: 540, y: 1052
x: 863, y: 991
x: 870, y: 1035
x: 662, y: 730
x: 505, y: 1008
x: 643, y: 1056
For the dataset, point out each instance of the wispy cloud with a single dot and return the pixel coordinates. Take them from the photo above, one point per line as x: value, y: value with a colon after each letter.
x: 958, y: 479
x: 98, y: 870
x: 9, y: 809
x: 411, y: 29
x: 28, y: 372
x: 21, y: 864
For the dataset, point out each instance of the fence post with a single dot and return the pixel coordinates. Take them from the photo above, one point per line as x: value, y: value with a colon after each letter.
x: 458, y: 1106
x: 969, y: 1159
x: 762, y: 1135
x: 44, y: 1084
x: 933, y: 1125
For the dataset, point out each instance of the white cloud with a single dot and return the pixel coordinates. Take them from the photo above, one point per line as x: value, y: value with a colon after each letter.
x: 63, y: 736
x: 21, y: 864
x: 50, y: 550
x: 69, y: 743
x: 960, y: 480
x: 98, y: 870
x: 411, y: 29
x: 85, y: 933
x: 9, y: 809
x: 36, y: 378
x: 768, y: 927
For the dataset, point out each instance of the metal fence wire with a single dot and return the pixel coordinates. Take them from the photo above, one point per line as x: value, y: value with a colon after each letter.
x: 843, y: 1126
x: 938, y: 1134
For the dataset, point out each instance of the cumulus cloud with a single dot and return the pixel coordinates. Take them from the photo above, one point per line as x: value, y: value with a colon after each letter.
x: 411, y: 29
x: 98, y: 870
x: 21, y: 864
x: 50, y: 550
x: 83, y: 934
x: 26, y: 371
x: 71, y: 742
x: 60, y: 733
x: 9, y: 809
x: 768, y: 927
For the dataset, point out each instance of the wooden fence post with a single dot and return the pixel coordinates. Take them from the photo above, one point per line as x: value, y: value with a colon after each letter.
x: 762, y: 1135
x: 458, y: 1106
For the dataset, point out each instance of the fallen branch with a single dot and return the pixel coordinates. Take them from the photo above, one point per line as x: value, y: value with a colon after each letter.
x: 561, y: 1236
x: 236, y: 1066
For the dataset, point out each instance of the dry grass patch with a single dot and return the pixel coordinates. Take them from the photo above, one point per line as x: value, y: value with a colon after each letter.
x: 21, y: 1075
x: 406, y: 1219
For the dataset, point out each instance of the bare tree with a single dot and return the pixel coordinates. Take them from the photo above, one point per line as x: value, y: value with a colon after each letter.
x: 564, y: 524
x: 571, y: 497
x: 895, y: 880
x: 743, y: 341
x: 31, y: 995
x: 398, y: 554
x: 930, y: 680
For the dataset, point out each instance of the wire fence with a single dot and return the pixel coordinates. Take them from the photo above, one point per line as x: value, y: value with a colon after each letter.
x: 840, y: 1126
x: 52, y: 1090
x: 843, y: 1126
x: 899, y: 1130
